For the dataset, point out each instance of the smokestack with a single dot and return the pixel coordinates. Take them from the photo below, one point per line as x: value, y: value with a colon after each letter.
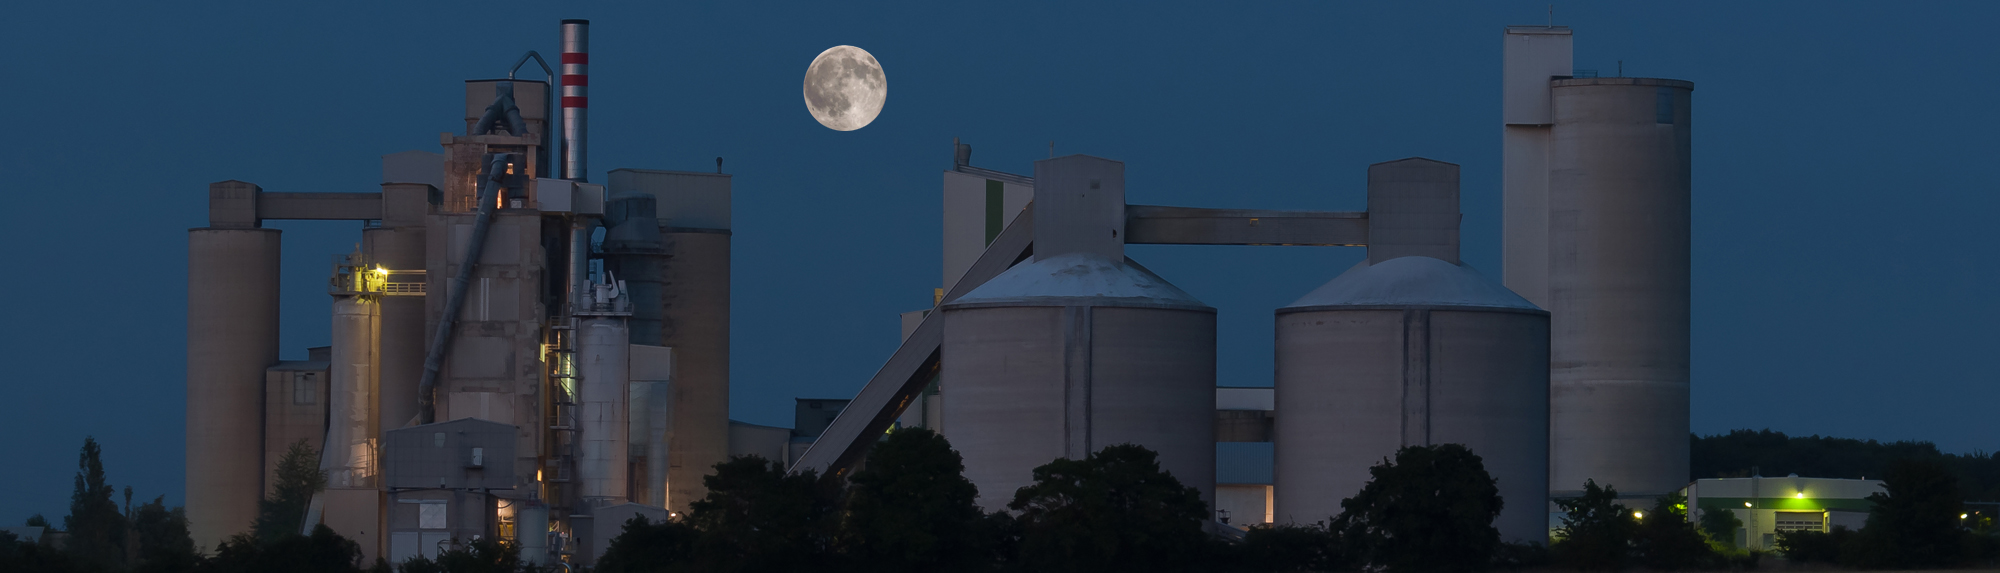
x: 575, y: 97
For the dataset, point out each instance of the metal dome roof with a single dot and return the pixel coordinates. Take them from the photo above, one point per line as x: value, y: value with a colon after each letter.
x: 1411, y: 281
x: 1079, y: 279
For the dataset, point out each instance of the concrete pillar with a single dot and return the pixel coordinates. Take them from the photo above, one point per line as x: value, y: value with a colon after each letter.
x: 1531, y: 56
x: 232, y: 337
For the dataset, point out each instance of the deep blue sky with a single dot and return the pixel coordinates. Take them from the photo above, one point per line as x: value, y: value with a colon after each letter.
x: 1844, y: 179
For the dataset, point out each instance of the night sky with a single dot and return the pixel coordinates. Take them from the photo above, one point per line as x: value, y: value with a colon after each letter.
x: 1844, y: 176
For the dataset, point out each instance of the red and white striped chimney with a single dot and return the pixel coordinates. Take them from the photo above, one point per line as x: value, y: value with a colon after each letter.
x: 575, y: 97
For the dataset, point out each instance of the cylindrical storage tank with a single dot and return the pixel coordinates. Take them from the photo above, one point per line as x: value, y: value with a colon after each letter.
x: 400, y: 355
x: 1412, y: 351
x: 603, y: 355
x: 232, y: 337
x: 1060, y: 357
x: 351, y: 425
x: 696, y: 325
x: 531, y: 531
x: 1619, y: 172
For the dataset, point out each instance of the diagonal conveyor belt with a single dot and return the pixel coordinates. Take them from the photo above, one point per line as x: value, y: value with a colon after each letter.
x: 913, y: 365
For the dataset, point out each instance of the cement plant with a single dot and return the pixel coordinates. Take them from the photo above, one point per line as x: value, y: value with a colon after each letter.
x: 520, y: 353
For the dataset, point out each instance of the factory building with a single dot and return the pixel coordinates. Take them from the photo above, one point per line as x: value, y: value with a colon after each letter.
x: 515, y: 350
x: 1768, y: 506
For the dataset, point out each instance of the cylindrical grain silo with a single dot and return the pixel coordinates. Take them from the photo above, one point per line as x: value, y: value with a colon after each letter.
x: 1619, y: 181
x: 696, y: 325
x: 349, y: 460
x: 232, y: 337
x: 603, y: 361
x: 400, y: 357
x: 1411, y: 351
x: 1062, y: 356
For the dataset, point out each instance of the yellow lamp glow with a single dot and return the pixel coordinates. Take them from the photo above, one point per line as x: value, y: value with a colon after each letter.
x: 1638, y: 515
x: 1746, y: 504
x: 1799, y: 495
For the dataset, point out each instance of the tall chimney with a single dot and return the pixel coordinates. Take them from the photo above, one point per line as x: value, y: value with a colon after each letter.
x: 575, y: 97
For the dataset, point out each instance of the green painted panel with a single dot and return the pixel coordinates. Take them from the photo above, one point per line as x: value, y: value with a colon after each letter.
x: 1787, y: 503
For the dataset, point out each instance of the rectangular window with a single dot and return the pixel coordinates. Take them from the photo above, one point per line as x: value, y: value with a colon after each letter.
x: 430, y: 515
x: 305, y: 389
x: 1800, y: 521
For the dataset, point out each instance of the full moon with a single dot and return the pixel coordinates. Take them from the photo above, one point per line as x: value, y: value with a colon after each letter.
x: 845, y: 88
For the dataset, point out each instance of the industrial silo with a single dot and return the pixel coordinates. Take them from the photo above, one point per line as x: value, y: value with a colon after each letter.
x: 1078, y: 349
x: 232, y: 337
x: 1411, y: 351
x: 694, y: 217
x: 604, y: 364
x: 1619, y: 181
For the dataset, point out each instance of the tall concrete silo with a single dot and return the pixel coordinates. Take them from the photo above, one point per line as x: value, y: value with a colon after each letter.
x: 1597, y: 186
x: 1412, y: 351
x: 1078, y: 349
x: 1619, y: 291
x: 232, y: 337
x: 694, y: 214
x: 1411, y: 348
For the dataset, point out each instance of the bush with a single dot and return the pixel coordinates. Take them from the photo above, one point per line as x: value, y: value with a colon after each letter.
x: 1665, y: 541
x: 1814, y: 546
x: 1112, y: 511
x: 1596, y: 533
x: 1431, y: 509
x: 1291, y: 548
x: 322, y: 552
x: 759, y: 518
x: 643, y: 546
x: 910, y: 508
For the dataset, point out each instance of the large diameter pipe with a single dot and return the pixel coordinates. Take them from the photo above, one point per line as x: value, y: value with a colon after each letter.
x: 1619, y: 213
x: 575, y: 97
x: 349, y: 459
x: 232, y: 337
x: 603, y: 356
x: 489, y: 187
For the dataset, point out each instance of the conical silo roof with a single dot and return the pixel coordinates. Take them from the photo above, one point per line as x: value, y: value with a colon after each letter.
x: 1411, y: 281
x: 1079, y: 279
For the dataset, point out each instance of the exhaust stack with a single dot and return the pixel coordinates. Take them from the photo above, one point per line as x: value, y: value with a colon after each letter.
x: 575, y: 97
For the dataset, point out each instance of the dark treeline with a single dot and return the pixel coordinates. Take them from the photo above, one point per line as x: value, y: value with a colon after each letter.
x: 1737, y: 453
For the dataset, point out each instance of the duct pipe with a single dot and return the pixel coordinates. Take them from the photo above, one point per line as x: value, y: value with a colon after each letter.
x: 497, y: 169
x: 580, y: 227
x: 575, y: 97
